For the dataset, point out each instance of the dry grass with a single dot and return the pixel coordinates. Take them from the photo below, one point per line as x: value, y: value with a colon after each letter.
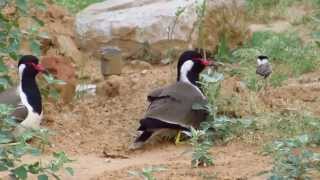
x: 228, y: 21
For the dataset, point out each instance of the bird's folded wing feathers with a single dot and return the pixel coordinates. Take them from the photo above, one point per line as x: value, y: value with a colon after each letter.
x: 154, y: 94
x: 20, y: 113
x: 175, y: 103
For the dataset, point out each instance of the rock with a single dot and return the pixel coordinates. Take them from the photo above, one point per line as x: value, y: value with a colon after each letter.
x: 68, y: 48
x: 110, y: 87
x: 131, y: 24
x: 140, y: 65
x: 64, y: 70
x: 111, y: 62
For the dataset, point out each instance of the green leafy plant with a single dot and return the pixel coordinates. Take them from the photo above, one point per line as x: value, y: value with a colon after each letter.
x: 292, y: 159
x: 11, y: 35
x: 201, y: 145
x: 49, y: 89
x: 289, y: 56
x: 12, y: 148
x: 147, y: 173
x: 200, y: 139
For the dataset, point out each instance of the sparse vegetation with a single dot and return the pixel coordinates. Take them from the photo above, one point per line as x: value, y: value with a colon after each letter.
x: 148, y: 172
x: 201, y: 145
x: 74, y: 5
x: 293, y: 159
x: 225, y: 28
x: 290, y: 58
x: 12, y: 149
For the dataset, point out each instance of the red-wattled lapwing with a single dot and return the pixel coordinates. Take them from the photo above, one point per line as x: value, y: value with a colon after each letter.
x: 25, y: 97
x: 171, y: 106
x: 264, y: 69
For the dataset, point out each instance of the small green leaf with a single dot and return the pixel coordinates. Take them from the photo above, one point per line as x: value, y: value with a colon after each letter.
x: 35, y: 152
x: 20, y: 172
x: 4, y: 83
x: 38, y: 21
x: 3, y: 67
x: 5, y: 137
x: 54, y: 93
x: 212, y: 78
x: 43, y: 177
x: 22, y: 6
x: 70, y: 170
x: 34, y: 168
x: 3, y: 167
x: 35, y: 47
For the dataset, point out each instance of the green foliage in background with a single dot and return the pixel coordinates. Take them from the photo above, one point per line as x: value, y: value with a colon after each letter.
x: 11, y: 34
x: 216, y: 128
x: 76, y: 5
x: 13, y: 148
x: 287, y: 53
x: 267, y: 10
x: 293, y: 159
x: 147, y: 173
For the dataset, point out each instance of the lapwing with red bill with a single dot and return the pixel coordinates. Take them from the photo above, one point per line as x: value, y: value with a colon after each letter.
x: 171, y: 106
x: 26, y: 97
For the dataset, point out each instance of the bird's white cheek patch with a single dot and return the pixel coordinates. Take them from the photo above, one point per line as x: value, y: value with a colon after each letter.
x: 185, y: 68
x: 21, y: 69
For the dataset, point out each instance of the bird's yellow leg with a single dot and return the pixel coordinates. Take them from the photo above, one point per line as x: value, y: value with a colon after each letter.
x: 177, y: 139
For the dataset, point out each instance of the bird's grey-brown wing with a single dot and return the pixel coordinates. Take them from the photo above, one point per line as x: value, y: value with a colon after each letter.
x: 175, y: 106
x: 11, y: 97
x: 20, y: 113
x: 264, y: 70
x: 156, y: 94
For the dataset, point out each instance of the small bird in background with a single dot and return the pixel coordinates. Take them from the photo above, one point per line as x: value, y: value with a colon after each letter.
x: 264, y: 69
x: 171, y: 106
x: 26, y: 97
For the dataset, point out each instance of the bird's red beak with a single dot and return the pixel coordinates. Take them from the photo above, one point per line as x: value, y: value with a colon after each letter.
x: 39, y: 67
x: 206, y: 62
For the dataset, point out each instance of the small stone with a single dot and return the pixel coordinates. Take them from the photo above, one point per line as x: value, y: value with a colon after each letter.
x: 141, y: 65
x: 144, y: 72
x: 110, y: 87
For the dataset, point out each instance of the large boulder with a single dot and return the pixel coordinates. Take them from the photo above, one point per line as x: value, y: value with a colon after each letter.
x: 131, y: 25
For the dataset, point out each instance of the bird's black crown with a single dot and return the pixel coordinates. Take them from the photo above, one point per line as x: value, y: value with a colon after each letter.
x: 28, y: 59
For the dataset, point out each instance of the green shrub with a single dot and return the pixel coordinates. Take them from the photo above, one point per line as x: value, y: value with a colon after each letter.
x: 287, y: 53
x: 13, y: 148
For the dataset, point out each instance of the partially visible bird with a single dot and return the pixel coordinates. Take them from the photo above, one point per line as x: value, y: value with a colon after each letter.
x: 171, y: 106
x: 264, y: 68
x: 26, y: 97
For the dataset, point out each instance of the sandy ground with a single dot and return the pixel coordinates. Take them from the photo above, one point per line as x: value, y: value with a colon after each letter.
x: 97, y: 130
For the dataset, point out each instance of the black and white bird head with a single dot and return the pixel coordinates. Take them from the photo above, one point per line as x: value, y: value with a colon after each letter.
x: 264, y: 68
x: 29, y: 66
x: 190, y: 65
x: 262, y: 60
